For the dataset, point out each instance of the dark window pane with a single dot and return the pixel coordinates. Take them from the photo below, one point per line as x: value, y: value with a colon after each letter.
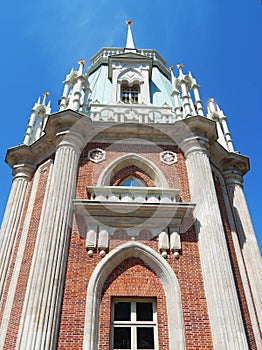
x: 122, y: 311
x: 145, y: 338
x: 144, y: 311
x: 122, y: 338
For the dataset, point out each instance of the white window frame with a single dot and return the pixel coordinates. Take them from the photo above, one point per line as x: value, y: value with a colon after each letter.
x: 133, y: 323
x: 133, y: 92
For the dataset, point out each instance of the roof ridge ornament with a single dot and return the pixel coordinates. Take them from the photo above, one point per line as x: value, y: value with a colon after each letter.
x: 129, y: 39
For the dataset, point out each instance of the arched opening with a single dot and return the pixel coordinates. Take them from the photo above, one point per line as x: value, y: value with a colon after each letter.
x: 130, y: 92
x: 132, y: 165
x: 164, y: 272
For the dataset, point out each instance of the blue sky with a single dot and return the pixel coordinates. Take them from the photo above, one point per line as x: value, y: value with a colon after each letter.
x: 218, y: 41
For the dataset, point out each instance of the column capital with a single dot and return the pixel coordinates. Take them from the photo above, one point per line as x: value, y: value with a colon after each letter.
x: 70, y: 138
x: 195, y: 144
x: 23, y: 170
x: 233, y: 177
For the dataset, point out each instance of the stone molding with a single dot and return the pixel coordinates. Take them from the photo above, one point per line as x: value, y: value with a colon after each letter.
x: 165, y: 273
x: 132, y: 159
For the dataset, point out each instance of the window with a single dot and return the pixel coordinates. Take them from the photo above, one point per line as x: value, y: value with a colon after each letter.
x: 134, y: 324
x: 132, y: 182
x: 129, y: 94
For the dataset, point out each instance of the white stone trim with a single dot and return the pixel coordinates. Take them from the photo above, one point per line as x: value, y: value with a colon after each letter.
x: 168, y: 157
x: 96, y: 155
x: 132, y: 159
x: 164, y: 272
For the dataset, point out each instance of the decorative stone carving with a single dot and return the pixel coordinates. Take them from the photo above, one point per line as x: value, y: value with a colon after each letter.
x: 96, y: 155
x: 168, y: 157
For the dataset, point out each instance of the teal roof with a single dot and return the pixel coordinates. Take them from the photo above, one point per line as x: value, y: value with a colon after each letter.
x: 100, y: 85
x: 160, y: 89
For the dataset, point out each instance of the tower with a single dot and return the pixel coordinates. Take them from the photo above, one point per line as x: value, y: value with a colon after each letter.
x: 126, y: 225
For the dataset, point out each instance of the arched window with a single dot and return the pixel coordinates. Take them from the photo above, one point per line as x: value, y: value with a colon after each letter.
x: 132, y: 182
x: 129, y: 94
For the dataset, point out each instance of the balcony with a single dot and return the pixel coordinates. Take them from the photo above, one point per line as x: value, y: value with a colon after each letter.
x: 125, y: 207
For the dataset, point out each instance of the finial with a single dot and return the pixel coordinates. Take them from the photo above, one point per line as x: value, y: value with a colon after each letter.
x: 129, y: 39
x: 171, y: 68
x: 81, y: 62
x: 46, y: 93
x: 179, y: 66
x: 211, y: 105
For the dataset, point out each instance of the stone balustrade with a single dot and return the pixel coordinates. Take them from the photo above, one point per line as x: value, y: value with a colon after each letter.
x: 105, y: 52
x: 123, y: 194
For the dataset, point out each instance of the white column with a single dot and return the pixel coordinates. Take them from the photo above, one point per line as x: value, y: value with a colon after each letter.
x: 176, y: 103
x: 41, y: 311
x: 223, y: 306
x: 227, y: 134
x: 20, y: 254
x: 185, y: 99
x: 241, y: 264
x: 64, y: 98
x: 198, y: 101
x: 11, y: 221
x: 30, y: 127
x: 247, y: 237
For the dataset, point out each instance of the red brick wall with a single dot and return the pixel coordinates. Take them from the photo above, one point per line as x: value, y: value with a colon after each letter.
x: 126, y: 278
x: 89, y: 172
x: 26, y: 262
x: 235, y: 267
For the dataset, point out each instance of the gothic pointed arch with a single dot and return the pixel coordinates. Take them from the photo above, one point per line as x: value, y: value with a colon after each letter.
x: 167, y: 277
x: 130, y: 160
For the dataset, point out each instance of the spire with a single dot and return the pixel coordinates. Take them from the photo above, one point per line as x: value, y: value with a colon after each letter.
x: 173, y: 78
x: 129, y: 39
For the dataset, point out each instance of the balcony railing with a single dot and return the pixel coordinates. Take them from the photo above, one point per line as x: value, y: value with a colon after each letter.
x: 121, y: 206
x: 123, y: 194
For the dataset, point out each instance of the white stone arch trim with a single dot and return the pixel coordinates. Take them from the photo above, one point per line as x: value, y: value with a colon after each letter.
x: 136, y: 77
x: 128, y: 160
x: 167, y: 277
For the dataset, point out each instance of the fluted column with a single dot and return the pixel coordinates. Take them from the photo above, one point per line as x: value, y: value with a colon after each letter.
x: 247, y: 237
x: 223, y: 306
x: 40, y: 316
x: 22, y: 175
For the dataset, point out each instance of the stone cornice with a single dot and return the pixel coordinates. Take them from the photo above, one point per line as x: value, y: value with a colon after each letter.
x: 205, y: 128
x: 70, y: 124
